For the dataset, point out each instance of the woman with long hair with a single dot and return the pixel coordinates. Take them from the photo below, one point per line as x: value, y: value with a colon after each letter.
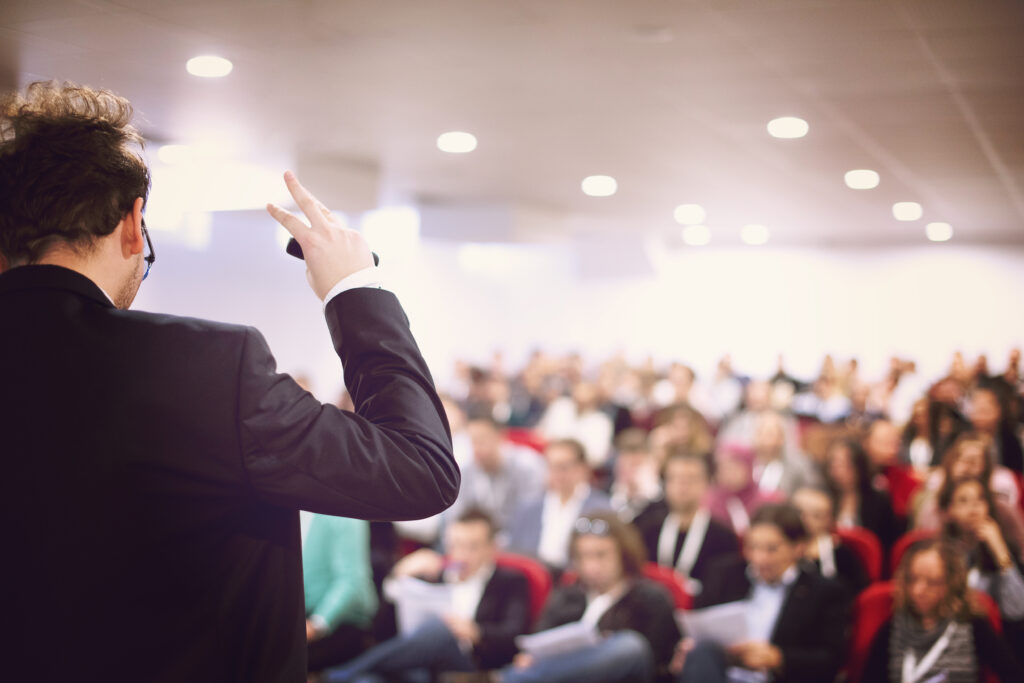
x: 858, y: 502
x: 936, y: 632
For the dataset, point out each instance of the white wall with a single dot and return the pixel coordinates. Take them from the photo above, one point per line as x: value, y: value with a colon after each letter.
x: 693, y: 305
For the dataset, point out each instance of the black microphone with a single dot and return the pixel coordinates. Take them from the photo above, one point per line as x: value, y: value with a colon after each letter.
x: 295, y: 250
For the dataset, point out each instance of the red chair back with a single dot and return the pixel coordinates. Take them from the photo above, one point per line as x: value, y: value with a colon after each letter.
x: 537, y: 577
x: 904, y: 542
x: 867, y: 547
x: 526, y: 437
x: 873, y: 607
x: 673, y: 581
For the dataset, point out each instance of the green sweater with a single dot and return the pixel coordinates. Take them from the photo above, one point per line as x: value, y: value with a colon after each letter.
x: 336, y: 571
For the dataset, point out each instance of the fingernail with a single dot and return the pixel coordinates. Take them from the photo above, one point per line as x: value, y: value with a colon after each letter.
x: 288, y: 175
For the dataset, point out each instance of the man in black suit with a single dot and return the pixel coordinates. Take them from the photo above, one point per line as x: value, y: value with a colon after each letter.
x: 154, y: 465
x: 796, y: 620
x: 490, y: 606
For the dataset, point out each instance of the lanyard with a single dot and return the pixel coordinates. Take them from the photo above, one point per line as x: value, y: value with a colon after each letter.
x: 912, y: 670
x: 737, y: 514
x: 691, y: 546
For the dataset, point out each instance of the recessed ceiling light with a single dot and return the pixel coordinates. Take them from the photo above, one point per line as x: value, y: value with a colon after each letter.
x: 907, y: 211
x: 696, y: 235
x: 208, y: 66
x: 689, y: 214
x: 861, y: 179
x: 456, y: 142
x: 939, y: 232
x: 754, y: 234
x: 788, y: 127
x: 599, y: 186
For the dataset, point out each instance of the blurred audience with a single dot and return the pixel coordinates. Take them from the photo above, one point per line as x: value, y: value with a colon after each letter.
x: 489, y: 608
x: 634, y: 484
x: 542, y: 527
x: 500, y: 477
x: 338, y: 584
x: 610, y: 594
x: 586, y: 467
x: 735, y: 495
x: 824, y: 549
x: 679, y: 531
x: 796, y: 619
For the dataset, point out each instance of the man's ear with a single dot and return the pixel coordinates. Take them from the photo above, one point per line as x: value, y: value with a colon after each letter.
x: 132, y: 241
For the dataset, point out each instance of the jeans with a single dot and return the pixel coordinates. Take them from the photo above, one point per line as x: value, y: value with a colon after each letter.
x: 623, y: 657
x: 706, y: 663
x: 413, y: 657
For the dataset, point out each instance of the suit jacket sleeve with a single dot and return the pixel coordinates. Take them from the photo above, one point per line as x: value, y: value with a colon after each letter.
x: 349, y: 556
x: 390, y: 460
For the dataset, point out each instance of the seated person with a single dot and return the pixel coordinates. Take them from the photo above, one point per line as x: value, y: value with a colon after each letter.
x: 541, y: 528
x: 968, y: 457
x: 858, y: 502
x: 499, y: 477
x: 935, y: 633
x: 779, y: 466
x: 635, y: 483
x: 735, y: 495
x: 679, y: 531
x: 338, y: 582
x: 824, y: 549
x: 993, y: 563
x: 796, y: 619
x: 490, y: 607
x: 635, y: 614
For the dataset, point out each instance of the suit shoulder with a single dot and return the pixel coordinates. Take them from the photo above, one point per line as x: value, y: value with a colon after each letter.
x: 184, y: 325
x: 508, y: 578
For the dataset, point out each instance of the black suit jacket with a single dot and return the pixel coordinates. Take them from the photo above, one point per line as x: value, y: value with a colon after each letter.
x: 502, y: 614
x: 646, y: 608
x: 154, y: 467
x: 719, y: 541
x: 811, y: 629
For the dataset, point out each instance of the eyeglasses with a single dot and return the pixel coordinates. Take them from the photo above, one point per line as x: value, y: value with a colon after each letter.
x: 597, y: 527
x: 151, y: 256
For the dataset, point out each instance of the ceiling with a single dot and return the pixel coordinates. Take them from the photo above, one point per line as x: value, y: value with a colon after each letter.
x: 669, y: 97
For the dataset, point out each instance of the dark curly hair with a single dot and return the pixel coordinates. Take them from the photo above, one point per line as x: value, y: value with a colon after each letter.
x: 68, y: 170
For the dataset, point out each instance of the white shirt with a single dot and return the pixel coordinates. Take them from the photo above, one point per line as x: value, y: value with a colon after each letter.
x: 556, y: 524
x: 305, y: 519
x: 765, y: 603
x: 466, y: 593
x: 366, y: 277
x: 599, y: 603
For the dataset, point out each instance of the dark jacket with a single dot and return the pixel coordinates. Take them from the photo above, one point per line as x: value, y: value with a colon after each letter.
x: 503, y: 614
x: 811, y: 629
x: 719, y: 541
x: 990, y: 651
x: 646, y: 608
x: 154, y: 469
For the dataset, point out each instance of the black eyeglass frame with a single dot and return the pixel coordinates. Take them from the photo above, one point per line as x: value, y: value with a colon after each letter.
x: 150, y: 259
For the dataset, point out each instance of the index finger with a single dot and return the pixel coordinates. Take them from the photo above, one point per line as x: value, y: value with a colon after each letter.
x: 309, y: 204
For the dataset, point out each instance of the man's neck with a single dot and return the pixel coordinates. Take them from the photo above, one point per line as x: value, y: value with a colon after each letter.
x: 685, y: 516
x: 66, y: 259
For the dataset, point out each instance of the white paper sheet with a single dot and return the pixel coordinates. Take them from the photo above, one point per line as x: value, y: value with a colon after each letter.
x: 416, y: 601
x: 566, y: 638
x: 723, y: 624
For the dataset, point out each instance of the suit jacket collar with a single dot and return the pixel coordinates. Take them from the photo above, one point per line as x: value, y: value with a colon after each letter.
x: 52, y: 277
x: 797, y: 594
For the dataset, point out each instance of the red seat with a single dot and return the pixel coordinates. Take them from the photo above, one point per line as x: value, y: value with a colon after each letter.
x: 668, y: 577
x: 537, y: 577
x: 526, y: 437
x: 872, y: 609
x: 867, y: 547
x: 673, y: 581
x: 905, y: 541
